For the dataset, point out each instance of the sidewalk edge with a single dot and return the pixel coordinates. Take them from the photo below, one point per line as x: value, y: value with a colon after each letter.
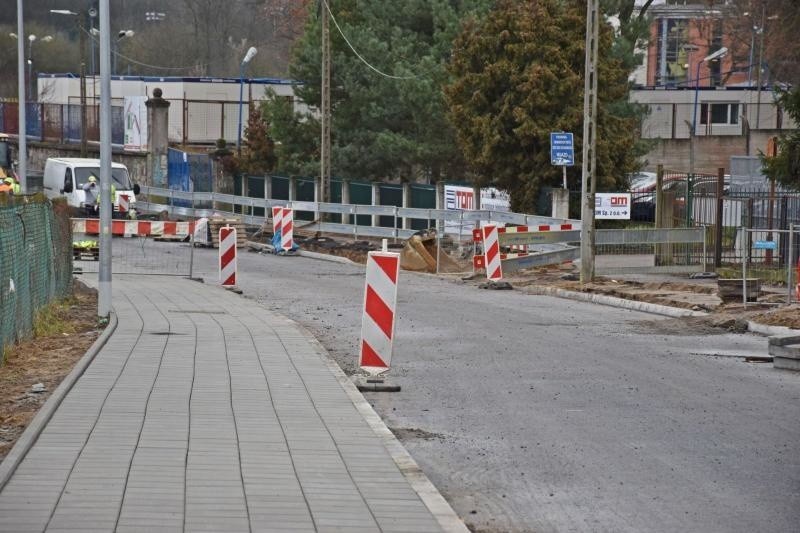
x: 427, y: 492
x: 37, y: 425
x: 613, y: 301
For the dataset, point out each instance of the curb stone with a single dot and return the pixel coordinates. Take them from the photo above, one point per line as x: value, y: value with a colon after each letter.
x: 427, y: 492
x: 657, y: 309
x: 37, y: 425
x: 302, y: 253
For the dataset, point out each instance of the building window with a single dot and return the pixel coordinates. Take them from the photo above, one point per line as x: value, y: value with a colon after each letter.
x: 719, y: 114
x: 672, y: 56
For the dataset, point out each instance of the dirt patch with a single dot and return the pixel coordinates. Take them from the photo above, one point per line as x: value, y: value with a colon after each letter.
x: 45, y: 360
x: 405, y: 434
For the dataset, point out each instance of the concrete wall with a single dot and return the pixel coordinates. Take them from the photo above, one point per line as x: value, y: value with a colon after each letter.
x: 710, y: 152
x: 38, y: 153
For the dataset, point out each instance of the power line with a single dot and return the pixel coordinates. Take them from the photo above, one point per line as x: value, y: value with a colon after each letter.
x: 131, y: 60
x: 359, y: 56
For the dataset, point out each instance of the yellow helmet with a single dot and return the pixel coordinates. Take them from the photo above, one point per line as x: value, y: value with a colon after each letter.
x: 92, y: 179
x: 9, y: 181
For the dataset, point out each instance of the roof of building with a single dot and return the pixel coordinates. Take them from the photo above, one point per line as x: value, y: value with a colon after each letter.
x: 182, y: 79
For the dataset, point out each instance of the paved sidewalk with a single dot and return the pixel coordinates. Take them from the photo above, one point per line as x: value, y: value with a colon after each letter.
x: 206, y: 412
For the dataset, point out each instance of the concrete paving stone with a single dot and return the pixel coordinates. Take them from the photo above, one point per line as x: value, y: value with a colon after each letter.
x: 136, y: 527
x: 225, y: 435
x: 217, y: 526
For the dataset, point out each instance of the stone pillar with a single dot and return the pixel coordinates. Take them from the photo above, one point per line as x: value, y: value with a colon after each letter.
x: 406, y: 203
x: 560, y: 203
x: 157, y: 138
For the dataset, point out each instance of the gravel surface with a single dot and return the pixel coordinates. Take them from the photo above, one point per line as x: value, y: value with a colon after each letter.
x: 533, y: 413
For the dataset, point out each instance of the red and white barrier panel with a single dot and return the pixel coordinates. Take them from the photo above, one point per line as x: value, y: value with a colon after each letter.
x: 479, y: 261
x: 478, y: 237
x: 159, y: 228
x: 491, y: 248
x: 378, y: 320
x: 227, y: 256
x: 287, y: 229
x: 277, y: 217
x: 124, y: 203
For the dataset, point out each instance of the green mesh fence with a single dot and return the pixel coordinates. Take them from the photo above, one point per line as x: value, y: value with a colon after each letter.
x: 35, y: 261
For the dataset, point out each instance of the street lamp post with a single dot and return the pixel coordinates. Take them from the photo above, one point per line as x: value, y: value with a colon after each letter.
x: 80, y: 19
x: 22, y: 157
x: 719, y: 54
x: 121, y: 35
x: 247, y: 58
x: 31, y: 39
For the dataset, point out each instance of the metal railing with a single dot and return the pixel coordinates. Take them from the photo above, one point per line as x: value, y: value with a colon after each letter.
x: 200, y: 201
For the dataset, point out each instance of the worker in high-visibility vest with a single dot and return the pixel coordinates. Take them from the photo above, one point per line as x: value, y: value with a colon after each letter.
x: 14, y: 184
x: 5, y: 188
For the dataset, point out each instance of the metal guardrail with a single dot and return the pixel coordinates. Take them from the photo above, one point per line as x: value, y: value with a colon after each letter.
x: 343, y: 209
x: 650, y: 236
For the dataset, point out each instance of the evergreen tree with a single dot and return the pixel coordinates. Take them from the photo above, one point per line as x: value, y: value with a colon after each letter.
x: 387, y: 125
x: 258, y: 153
x: 518, y: 75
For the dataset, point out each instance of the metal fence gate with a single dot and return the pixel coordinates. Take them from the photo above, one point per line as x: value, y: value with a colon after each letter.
x: 137, y: 247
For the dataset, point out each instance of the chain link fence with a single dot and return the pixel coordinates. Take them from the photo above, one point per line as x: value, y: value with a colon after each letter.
x: 35, y: 261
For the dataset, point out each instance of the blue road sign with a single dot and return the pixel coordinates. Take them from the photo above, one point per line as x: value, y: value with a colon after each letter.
x: 562, y: 151
x: 766, y: 245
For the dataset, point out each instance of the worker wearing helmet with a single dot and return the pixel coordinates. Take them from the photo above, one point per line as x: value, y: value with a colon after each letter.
x: 92, y: 192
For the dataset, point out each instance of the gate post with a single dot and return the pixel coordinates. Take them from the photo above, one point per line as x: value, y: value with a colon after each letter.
x: 718, y: 218
x: 157, y: 137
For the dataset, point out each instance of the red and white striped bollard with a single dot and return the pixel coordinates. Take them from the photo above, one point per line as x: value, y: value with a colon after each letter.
x: 287, y: 229
x: 227, y: 256
x: 491, y: 251
x: 378, y: 319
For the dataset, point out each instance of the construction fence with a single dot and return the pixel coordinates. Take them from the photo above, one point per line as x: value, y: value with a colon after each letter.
x: 35, y: 261
x: 61, y: 123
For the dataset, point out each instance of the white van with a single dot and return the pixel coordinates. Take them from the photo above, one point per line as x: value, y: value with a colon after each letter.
x: 64, y: 177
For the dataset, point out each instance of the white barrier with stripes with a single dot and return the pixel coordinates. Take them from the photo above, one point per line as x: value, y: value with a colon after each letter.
x: 378, y: 319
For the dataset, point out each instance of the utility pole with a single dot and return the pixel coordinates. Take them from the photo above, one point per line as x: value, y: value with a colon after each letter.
x: 22, y: 156
x: 106, y: 204
x: 760, y: 65
x: 588, y: 170
x: 82, y: 32
x: 325, y: 144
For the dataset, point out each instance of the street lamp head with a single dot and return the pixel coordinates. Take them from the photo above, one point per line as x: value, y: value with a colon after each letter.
x: 249, y: 56
x: 63, y: 12
x: 125, y: 33
x: 47, y: 38
x: 722, y: 52
x: 12, y: 35
x: 31, y: 37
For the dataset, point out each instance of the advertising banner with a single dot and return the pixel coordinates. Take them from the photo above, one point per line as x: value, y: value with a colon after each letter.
x: 135, y: 123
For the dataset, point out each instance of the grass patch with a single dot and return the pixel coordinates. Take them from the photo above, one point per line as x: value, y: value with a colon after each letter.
x: 55, y: 318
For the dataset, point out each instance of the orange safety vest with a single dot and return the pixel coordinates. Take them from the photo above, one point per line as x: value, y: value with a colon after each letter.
x: 5, y: 187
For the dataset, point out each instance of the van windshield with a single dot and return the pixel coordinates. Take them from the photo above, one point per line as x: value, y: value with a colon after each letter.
x: 119, y: 177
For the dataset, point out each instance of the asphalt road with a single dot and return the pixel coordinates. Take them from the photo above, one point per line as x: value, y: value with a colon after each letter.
x: 539, y: 414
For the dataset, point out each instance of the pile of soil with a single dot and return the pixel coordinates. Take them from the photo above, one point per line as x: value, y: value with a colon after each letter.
x: 44, y: 360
